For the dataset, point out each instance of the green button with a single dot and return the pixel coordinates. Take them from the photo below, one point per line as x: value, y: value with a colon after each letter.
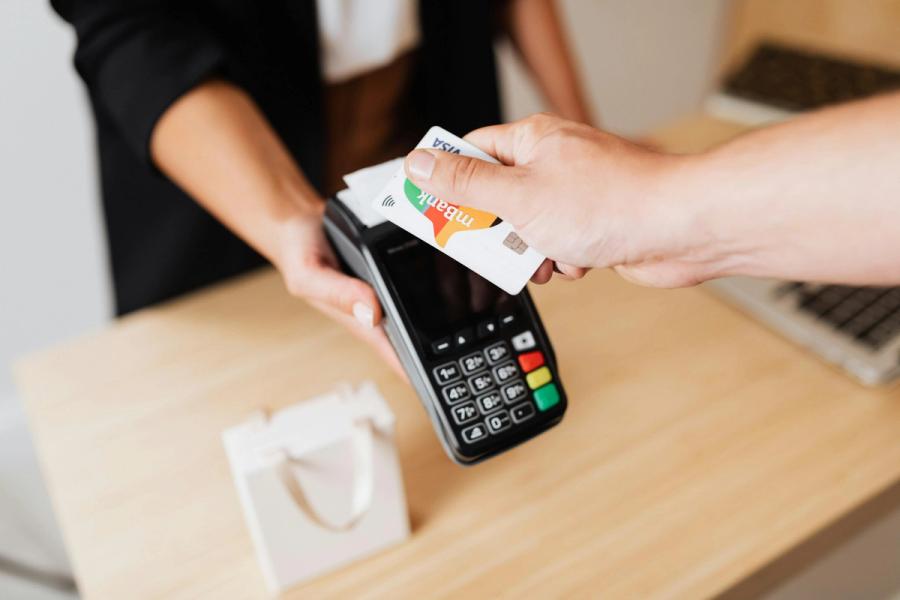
x: 546, y: 397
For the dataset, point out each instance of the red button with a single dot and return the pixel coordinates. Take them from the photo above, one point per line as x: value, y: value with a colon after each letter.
x: 531, y: 361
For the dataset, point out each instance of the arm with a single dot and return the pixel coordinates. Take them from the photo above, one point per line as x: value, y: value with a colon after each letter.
x: 537, y: 34
x: 817, y: 198
x: 216, y: 145
x: 151, y: 65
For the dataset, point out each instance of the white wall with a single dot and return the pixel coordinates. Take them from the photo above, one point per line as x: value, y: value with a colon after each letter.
x: 53, y: 280
x: 645, y: 62
x: 52, y: 275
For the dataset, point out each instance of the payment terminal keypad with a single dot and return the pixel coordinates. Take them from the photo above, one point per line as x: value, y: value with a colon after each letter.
x: 478, y: 358
x: 500, y: 382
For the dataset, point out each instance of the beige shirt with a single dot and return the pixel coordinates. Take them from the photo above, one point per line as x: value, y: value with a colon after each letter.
x: 357, y: 36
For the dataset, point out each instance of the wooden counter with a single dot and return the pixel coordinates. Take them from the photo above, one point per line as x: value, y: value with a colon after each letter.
x: 698, y: 447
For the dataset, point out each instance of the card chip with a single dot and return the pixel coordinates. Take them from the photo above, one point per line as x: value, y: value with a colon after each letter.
x: 515, y: 243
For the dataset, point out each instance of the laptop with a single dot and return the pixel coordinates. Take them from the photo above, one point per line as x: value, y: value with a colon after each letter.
x: 856, y: 328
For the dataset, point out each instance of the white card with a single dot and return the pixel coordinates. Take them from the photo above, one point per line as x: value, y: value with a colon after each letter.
x: 476, y: 238
x: 364, y: 184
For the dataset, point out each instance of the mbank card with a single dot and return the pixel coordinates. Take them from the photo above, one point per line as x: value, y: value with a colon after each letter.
x: 479, y: 240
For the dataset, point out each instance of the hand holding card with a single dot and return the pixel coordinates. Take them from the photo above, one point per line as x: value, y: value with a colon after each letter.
x: 479, y: 240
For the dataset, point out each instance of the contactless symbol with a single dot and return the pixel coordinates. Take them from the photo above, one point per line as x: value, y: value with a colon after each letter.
x: 388, y: 202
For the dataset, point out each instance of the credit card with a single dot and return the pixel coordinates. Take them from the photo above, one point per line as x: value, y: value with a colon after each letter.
x: 363, y: 185
x: 478, y: 239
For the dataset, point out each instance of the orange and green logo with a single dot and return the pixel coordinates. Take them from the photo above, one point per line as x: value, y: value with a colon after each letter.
x: 447, y: 218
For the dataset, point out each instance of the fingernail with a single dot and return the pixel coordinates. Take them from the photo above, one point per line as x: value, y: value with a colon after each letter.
x: 420, y: 164
x: 364, y: 314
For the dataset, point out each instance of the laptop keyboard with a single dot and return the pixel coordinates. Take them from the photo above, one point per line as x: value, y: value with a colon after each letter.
x: 871, y: 315
x: 797, y: 80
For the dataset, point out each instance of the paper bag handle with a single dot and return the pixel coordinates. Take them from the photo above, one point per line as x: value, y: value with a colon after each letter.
x: 363, y: 479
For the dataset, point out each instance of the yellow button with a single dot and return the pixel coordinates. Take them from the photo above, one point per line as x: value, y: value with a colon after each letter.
x: 538, y: 378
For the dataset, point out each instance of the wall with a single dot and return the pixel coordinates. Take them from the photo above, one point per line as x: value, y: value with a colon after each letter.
x: 52, y: 266
x: 645, y: 62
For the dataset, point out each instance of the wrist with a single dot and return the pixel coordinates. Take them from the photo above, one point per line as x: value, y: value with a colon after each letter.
x: 708, y: 230
x: 294, y: 209
x: 294, y: 233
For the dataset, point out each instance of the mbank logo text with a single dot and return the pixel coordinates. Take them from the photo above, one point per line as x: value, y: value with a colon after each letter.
x: 445, y: 217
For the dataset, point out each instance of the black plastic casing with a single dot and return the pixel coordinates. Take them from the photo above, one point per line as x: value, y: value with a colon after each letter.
x: 355, y: 245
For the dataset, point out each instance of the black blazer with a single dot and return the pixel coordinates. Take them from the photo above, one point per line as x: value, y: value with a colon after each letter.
x: 138, y: 56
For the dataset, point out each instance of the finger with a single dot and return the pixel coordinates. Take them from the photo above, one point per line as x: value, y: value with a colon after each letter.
x: 648, y: 143
x: 570, y: 272
x: 497, y: 140
x: 351, y: 296
x: 373, y: 336
x: 463, y: 179
x: 510, y: 143
x: 378, y: 341
x: 544, y: 272
x: 386, y: 351
x: 670, y: 274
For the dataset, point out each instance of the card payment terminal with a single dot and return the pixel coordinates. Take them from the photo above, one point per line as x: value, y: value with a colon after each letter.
x: 478, y: 357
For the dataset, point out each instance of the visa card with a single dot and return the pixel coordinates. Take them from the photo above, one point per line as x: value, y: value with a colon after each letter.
x: 363, y: 185
x: 478, y: 239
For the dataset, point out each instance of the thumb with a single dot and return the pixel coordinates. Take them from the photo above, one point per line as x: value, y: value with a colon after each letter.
x: 462, y: 179
x: 351, y: 296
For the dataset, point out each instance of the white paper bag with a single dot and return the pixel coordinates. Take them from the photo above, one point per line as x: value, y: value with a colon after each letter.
x: 319, y: 483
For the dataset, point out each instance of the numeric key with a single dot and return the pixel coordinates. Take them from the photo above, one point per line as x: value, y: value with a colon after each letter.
x: 472, y: 363
x: 455, y: 393
x: 498, y: 421
x: 515, y: 391
x: 505, y: 372
x: 496, y: 353
x: 481, y: 383
x: 446, y: 373
x: 489, y: 402
x: 463, y: 413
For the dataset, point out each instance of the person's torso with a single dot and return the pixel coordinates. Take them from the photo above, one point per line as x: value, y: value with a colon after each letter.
x: 162, y: 244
